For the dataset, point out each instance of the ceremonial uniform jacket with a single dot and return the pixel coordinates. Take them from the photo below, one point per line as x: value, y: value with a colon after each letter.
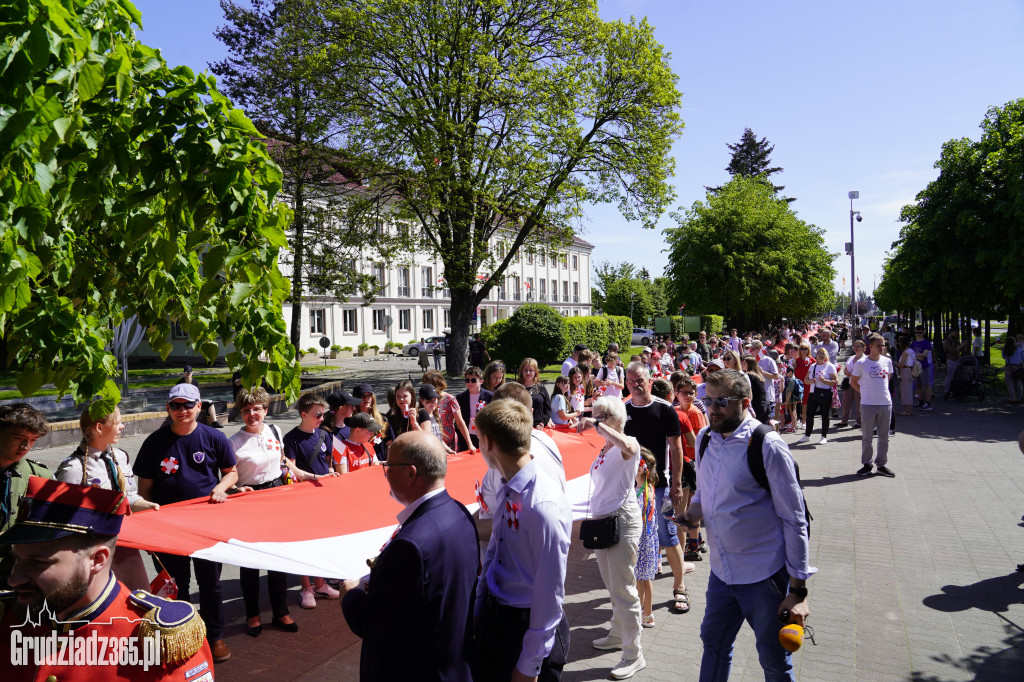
x: 114, y: 626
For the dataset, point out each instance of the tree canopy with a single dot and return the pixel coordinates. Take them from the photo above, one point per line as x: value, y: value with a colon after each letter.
x: 750, y: 158
x: 484, y: 118
x: 960, y: 248
x: 128, y: 188
x: 745, y: 254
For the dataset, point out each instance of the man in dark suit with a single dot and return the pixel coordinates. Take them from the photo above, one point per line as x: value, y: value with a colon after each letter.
x: 414, y: 613
x: 472, y: 399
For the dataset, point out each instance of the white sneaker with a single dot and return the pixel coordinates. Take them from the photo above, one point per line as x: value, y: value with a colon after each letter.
x: 608, y: 643
x: 306, y: 598
x: 802, y: 439
x: 823, y: 441
x: 689, y: 567
x: 625, y: 669
x: 327, y: 592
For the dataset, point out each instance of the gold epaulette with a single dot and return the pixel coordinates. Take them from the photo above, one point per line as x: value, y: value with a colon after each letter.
x: 180, y: 629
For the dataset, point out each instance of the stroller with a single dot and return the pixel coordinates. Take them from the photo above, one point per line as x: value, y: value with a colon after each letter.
x: 967, y: 379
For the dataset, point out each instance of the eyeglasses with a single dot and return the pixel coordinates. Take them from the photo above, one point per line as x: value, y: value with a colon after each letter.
x: 720, y: 403
x: 186, y: 405
x: 254, y: 409
x: 472, y: 380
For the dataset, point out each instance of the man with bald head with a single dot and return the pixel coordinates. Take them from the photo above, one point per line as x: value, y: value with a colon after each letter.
x: 414, y: 613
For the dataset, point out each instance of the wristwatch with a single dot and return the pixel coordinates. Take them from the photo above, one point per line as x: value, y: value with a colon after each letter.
x: 799, y: 591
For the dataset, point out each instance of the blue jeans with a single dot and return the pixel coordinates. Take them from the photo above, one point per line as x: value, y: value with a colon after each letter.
x: 727, y: 606
x: 667, y: 536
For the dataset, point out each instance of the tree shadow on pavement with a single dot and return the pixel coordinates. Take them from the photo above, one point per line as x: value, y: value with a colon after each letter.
x: 995, y: 595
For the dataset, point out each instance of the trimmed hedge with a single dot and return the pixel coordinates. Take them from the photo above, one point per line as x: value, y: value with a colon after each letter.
x: 530, y: 332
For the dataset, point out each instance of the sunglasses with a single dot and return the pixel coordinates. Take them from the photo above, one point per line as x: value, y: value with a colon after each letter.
x: 318, y: 415
x: 720, y: 403
x: 472, y: 380
x: 186, y: 405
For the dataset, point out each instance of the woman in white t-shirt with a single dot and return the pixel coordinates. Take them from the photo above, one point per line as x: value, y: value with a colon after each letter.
x: 820, y: 379
x: 259, y: 450
x: 612, y: 477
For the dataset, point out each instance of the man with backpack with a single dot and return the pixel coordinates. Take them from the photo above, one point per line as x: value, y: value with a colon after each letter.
x: 757, y: 528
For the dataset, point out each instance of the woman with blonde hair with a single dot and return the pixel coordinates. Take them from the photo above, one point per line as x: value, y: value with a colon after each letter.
x: 97, y: 462
x: 529, y: 376
x: 494, y: 376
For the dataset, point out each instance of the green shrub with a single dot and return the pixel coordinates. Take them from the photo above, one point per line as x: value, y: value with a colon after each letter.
x: 712, y: 324
x: 335, y: 348
x: 345, y: 348
x: 535, y: 331
x: 364, y: 346
x: 620, y: 330
x: 312, y: 351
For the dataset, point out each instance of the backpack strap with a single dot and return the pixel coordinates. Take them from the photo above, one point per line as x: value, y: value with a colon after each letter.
x: 755, y: 456
x: 705, y: 439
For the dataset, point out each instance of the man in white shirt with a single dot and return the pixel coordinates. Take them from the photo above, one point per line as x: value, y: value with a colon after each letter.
x: 770, y: 369
x: 826, y: 341
x: 870, y: 378
x: 573, y: 359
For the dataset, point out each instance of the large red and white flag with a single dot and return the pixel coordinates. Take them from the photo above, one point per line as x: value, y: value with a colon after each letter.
x: 327, y: 528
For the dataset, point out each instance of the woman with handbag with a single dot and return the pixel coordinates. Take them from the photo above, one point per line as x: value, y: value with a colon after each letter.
x: 259, y: 449
x: 820, y: 381
x: 617, y: 522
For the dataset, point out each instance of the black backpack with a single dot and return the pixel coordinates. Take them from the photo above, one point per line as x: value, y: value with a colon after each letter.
x: 755, y: 460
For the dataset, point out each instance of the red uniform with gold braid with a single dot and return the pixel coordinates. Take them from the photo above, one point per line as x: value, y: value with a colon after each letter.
x: 120, y: 622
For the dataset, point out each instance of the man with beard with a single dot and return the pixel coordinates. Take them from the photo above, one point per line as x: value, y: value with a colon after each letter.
x: 63, y: 543
x: 758, y: 536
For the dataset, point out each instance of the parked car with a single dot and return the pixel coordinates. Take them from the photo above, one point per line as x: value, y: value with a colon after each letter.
x: 642, y: 337
x: 414, y: 349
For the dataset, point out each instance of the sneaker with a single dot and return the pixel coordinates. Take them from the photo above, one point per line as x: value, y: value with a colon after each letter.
x: 608, y: 643
x: 864, y: 470
x: 926, y: 407
x: 803, y: 439
x: 703, y: 547
x: 692, y: 555
x: 306, y: 598
x: 327, y: 592
x: 892, y: 433
x: 823, y: 441
x: 625, y: 669
x: 689, y: 567
x: 885, y: 471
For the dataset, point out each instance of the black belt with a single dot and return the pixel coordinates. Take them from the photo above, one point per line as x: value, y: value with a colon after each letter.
x: 269, y: 484
x: 499, y: 609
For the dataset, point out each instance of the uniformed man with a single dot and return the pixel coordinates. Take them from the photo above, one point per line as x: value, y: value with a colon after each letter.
x: 20, y: 426
x: 68, y: 618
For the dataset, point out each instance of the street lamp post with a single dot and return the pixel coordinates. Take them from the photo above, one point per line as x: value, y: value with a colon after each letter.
x: 853, y: 272
x: 632, y: 296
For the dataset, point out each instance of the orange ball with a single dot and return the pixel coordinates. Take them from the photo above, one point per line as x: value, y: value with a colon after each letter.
x: 791, y: 637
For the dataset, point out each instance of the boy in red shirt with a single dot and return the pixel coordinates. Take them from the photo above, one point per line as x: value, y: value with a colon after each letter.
x: 359, y: 451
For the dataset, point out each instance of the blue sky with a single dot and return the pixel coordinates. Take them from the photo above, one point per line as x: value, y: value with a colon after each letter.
x: 854, y: 96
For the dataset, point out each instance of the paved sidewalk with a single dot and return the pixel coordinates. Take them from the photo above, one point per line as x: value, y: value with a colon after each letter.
x: 916, y: 574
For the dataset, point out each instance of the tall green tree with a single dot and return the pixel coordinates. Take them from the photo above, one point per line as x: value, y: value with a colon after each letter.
x: 290, y: 82
x: 477, y: 118
x: 630, y: 297
x: 128, y: 188
x: 745, y: 254
x: 605, y: 274
x: 752, y: 157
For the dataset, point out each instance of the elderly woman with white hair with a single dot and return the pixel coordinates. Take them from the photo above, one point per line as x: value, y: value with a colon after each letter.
x: 612, y: 478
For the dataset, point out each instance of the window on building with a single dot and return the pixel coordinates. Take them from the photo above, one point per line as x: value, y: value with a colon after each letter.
x: 575, y: 312
x: 427, y: 282
x: 543, y: 290
x: 380, y: 275
x: 428, y: 320
x: 554, y: 290
x: 565, y: 312
x: 404, y: 320
x: 403, y: 281
x: 349, y: 320
x: 530, y: 293
x: 177, y: 332
x: 529, y: 257
x: 378, y: 227
x: 575, y: 292
x: 516, y: 294
x: 554, y: 259
x: 565, y: 260
x: 317, y: 321
x: 447, y: 317
x: 565, y: 291
x: 575, y: 262
x: 379, y: 321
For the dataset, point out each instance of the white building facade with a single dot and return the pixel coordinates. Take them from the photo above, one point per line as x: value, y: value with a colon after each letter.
x: 413, y: 302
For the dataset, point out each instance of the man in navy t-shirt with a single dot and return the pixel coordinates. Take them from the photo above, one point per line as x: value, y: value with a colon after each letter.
x: 183, y: 461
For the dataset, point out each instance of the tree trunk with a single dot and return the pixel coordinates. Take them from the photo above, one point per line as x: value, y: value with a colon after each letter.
x: 462, y: 307
x: 298, y: 250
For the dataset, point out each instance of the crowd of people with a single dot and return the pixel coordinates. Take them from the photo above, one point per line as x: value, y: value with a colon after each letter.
x: 670, y: 418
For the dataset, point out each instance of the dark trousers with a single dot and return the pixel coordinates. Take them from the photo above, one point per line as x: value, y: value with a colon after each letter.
x: 499, y: 642
x: 211, y: 609
x: 277, y: 587
x: 819, y: 402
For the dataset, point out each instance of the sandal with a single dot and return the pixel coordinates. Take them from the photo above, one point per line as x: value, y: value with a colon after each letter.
x: 648, y: 621
x: 681, y: 599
